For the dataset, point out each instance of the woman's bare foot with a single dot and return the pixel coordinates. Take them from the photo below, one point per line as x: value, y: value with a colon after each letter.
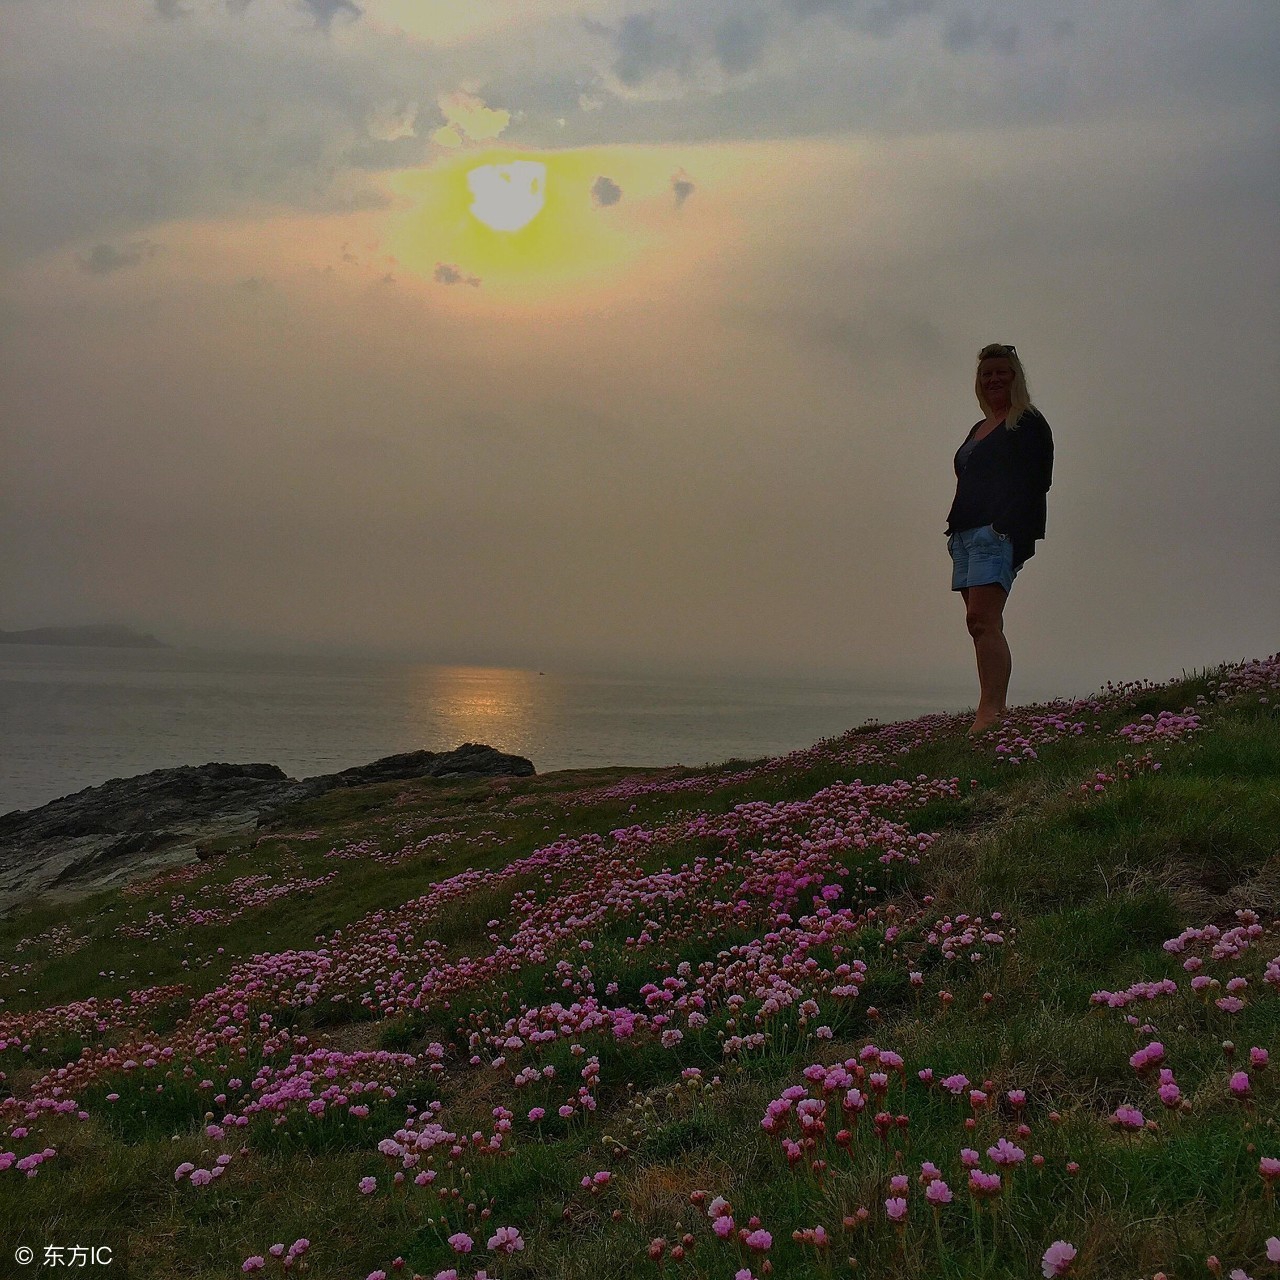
x: 984, y: 721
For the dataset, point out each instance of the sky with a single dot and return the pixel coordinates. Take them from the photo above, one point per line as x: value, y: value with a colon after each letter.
x: 598, y: 334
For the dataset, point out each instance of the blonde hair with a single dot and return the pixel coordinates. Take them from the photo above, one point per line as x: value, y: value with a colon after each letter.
x: 1019, y: 396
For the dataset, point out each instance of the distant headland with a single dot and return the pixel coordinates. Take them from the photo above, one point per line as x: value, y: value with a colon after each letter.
x: 101, y: 635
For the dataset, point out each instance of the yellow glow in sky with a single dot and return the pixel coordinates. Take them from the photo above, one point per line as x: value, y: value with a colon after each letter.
x: 454, y: 21
x: 468, y: 118
x: 527, y: 222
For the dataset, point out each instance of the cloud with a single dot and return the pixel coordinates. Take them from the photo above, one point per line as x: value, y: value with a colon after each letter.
x: 605, y: 192
x: 170, y: 9
x: 468, y: 119
x: 103, y: 259
x: 740, y: 43
x: 683, y: 186
x: 643, y: 52
x: 876, y: 18
x: 964, y: 32
x: 389, y: 122
x: 447, y: 273
x: 706, y: 47
x: 324, y: 11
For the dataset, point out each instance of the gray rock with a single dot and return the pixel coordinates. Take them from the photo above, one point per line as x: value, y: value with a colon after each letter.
x: 127, y: 827
x: 471, y: 760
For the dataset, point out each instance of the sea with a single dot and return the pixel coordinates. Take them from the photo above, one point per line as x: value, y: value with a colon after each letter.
x: 75, y: 717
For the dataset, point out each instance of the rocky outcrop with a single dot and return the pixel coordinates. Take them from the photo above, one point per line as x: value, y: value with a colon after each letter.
x: 102, y: 635
x: 471, y: 760
x: 129, y: 826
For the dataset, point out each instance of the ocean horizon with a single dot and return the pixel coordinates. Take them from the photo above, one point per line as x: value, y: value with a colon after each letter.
x: 72, y: 718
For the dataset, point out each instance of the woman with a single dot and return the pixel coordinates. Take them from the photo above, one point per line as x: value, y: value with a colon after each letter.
x: 1003, y: 470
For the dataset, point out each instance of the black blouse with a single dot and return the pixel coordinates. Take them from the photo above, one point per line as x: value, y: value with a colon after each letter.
x: 1003, y: 482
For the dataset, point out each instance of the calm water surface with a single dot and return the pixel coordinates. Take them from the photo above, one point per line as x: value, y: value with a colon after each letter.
x: 73, y: 718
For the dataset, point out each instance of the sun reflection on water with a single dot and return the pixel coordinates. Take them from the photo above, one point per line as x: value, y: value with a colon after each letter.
x: 499, y: 706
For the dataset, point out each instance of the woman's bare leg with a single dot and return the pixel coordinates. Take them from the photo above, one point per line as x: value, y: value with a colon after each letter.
x: 984, y: 616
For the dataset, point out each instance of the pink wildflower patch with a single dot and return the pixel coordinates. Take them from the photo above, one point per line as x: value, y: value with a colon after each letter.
x: 938, y: 1193
x: 506, y: 1240
x: 1126, y: 1117
x: 1057, y: 1259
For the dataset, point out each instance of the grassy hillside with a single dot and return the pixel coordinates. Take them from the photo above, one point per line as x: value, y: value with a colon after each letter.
x: 898, y: 1005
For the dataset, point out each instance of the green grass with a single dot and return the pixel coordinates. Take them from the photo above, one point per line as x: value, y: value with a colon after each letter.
x: 1090, y: 885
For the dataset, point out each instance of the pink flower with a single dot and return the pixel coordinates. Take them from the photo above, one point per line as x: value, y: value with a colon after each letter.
x: 1240, y: 1084
x: 1258, y: 1058
x: 937, y: 1192
x: 1273, y: 1248
x: 256, y: 1263
x: 506, y: 1240
x: 536, y: 1114
x: 1128, y: 1118
x: 896, y: 1208
x: 984, y: 1184
x: 1148, y: 1057
x: 201, y: 1178
x: 276, y: 1250
x: 460, y: 1242
x: 368, y: 1186
x: 1269, y: 1168
x: 376, y: 1275
x: 449, y: 1273
x: 899, y: 1183
x: 1058, y: 1258
x: 956, y: 1085
x: 723, y: 1226
x: 969, y: 1158
x: 182, y: 1170
x: 1004, y: 1152
x: 759, y: 1239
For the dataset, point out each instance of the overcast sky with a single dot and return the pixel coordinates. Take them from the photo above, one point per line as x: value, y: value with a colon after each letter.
x: 277, y: 372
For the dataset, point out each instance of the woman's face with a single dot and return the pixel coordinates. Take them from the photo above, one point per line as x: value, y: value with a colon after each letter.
x: 995, y: 377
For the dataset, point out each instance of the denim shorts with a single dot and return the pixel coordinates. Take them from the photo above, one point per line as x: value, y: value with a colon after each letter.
x: 980, y: 558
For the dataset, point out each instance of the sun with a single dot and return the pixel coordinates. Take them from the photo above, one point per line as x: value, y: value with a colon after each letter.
x: 514, y: 222
x: 508, y: 197
x: 531, y: 226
